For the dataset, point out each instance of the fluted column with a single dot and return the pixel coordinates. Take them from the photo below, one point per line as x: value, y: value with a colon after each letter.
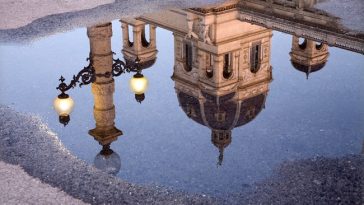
x: 103, y: 88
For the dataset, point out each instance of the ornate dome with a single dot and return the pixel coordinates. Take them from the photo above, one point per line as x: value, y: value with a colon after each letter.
x: 221, y: 112
x: 250, y: 108
x: 308, y: 69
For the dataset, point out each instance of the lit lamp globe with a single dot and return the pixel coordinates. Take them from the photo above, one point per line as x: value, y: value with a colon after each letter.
x: 63, y: 105
x: 139, y: 84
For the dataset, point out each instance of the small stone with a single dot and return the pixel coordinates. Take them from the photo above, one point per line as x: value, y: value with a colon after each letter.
x: 317, y: 182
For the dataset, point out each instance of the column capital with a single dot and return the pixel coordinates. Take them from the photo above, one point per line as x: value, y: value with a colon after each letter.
x: 100, y: 31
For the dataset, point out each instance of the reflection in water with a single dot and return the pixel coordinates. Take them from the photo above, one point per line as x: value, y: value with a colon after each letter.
x: 221, y: 75
x: 102, y: 68
x: 136, y: 45
x: 222, y: 82
x: 63, y: 105
x: 101, y: 71
x: 103, y: 89
x: 308, y: 56
x: 108, y: 160
x: 144, y: 49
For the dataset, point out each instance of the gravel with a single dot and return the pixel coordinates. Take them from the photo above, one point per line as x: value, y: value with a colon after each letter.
x: 15, y: 14
x: 350, y: 12
x: 25, y: 21
x: 24, y: 31
x: 27, y: 142
x: 312, y: 181
x: 17, y: 187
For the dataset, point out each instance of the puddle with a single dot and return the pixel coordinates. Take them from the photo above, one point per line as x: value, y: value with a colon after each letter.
x: 219, y: 114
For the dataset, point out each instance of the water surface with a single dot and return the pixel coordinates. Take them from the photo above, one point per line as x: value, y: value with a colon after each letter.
x: 303, y: 118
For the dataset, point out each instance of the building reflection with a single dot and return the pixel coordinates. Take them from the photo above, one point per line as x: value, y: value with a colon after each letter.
x: 221, y: 74
x: 222, y: 70
x: 307, y: 55
x: 139, y: 42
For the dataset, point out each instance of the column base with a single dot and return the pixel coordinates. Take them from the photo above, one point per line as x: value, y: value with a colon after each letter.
x: 105, y: 136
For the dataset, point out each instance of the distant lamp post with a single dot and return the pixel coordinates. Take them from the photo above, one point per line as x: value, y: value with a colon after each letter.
x: 64, y: 104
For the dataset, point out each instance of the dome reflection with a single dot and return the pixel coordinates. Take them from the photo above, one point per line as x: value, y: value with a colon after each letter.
x: 308, y: 56
x: 223, y: 82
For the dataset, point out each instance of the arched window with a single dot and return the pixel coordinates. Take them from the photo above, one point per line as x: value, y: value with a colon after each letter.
x: 255, y: 57
x: 188, y: 57
x: 302, y: 43
x: 130, y: 36
x: 145, y: 35
x: 319, y: 45
x: 227, y: 70
x: 209, y: 65
x: 220, y: 116
x: 226, y: 136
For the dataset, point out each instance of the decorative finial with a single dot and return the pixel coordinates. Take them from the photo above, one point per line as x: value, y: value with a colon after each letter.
x: 308, y: 72
x: 62, y: 79
x: 137, y: 60
x: 139, y: 97
x: 221, y: 156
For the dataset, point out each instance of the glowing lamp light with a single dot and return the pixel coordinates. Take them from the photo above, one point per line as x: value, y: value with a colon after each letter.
x: 63, y: 105
x: 138, y: 84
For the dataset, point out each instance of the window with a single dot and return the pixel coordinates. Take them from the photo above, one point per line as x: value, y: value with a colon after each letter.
x: 302, y: 43
x: 188, y: 57
x: 130, y: 36
x: 319, y: 45
x: 255, y: 57
x: 227, y: 70
x: 209, y: 65
x: 145, y: 31
x: 220, y: 116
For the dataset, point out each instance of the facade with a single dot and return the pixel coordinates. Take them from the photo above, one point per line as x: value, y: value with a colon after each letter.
x: 222, y: 68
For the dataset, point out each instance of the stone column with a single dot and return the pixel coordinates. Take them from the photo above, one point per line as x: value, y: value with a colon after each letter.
x: 218, y: 69
x: 137, y: 33
x: 103, y: 88
x: 152, y: 34
x: 125, y: 31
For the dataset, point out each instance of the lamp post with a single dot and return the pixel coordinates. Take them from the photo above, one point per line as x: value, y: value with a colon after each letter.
x: 64, y: 104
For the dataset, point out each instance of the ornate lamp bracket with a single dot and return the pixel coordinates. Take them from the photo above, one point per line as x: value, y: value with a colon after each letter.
x: 88, y: 75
